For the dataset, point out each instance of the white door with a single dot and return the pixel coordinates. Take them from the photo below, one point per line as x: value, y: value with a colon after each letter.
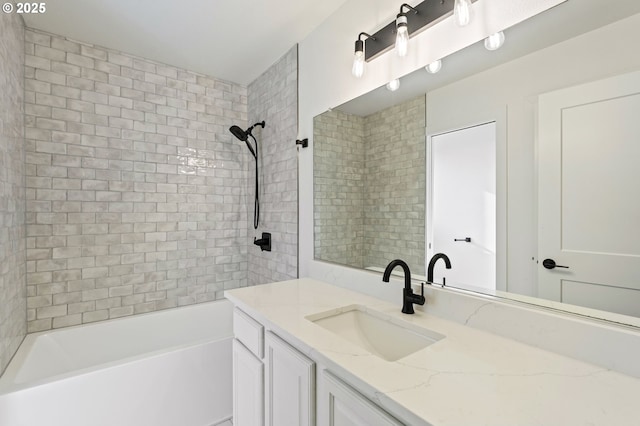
x: 289, y: 385
x: 346, y: 407
x: 461, y: 205
x: 248, y: 387
x: 589, y: 194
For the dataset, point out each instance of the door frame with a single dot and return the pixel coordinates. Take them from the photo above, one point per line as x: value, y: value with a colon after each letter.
x: 499, y: 116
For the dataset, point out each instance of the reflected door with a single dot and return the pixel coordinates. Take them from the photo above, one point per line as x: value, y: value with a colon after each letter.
x: 462, y: 205
x: 589, y: 195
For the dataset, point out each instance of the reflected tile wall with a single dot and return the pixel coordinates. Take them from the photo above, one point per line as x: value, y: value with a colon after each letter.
x: 369, y: 186
x: 395, y: 194
x: 13, y: 324
x: 338, y: 188
x: 136, y: 192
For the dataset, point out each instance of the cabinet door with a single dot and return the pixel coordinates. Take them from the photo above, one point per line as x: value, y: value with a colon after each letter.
x: 348, y: 408
x: 289, y: 385
x: 248, y: 387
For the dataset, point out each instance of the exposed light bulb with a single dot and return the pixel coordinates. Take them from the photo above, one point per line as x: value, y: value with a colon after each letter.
x: 358, y: 59
x: 434, y: 67
x: 393, y: 85
x: 494, y: 41
x: 462, y: 12
x: 402, y: 35
x: 358, y: 64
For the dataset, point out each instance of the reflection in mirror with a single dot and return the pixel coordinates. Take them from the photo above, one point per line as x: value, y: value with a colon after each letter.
x: 369, y: 186
x: 564, y: 92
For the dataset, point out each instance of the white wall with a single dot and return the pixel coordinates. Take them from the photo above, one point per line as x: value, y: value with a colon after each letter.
x: 325, y: 81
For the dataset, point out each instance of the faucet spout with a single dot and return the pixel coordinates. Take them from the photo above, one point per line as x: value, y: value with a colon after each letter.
x: 432, y: 264
x: 391, y: 266
x: 408, y: 298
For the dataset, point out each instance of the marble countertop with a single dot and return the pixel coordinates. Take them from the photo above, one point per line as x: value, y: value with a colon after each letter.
x: 470, y: 377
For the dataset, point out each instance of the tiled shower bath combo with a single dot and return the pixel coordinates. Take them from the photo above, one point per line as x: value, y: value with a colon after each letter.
x: 123, y: 193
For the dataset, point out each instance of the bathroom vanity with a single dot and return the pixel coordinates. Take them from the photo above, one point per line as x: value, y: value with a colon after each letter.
x: 311, y: 353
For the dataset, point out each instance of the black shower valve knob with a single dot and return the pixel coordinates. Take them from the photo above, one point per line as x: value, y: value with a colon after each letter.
x: 264, y: 243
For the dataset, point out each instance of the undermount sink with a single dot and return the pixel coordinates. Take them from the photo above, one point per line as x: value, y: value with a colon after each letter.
x: 379, y: 334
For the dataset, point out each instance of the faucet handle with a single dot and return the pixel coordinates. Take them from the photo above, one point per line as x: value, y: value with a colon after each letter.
x: 420, y: 300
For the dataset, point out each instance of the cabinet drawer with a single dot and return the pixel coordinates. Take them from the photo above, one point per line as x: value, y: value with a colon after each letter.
x: 249, y: 332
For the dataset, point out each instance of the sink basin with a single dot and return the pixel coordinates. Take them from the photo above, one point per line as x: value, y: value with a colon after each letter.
x: 379, y: 334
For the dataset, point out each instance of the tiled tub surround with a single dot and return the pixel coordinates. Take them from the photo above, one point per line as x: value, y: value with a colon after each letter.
x: 469, y: 377
x: 13, y: 323
x: 163, y: 369
x: 136, y: 193
x: 369, y: 186
x: 273, y: 97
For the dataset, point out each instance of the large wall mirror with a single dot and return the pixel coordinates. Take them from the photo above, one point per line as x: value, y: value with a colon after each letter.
x: 521, y: 164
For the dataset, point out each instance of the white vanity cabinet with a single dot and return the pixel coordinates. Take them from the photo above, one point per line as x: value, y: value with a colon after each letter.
x: 341, y: 405
x: 289, y: 385
x: 273, y: 383
x: 248, y: 387
x: 248, y: 371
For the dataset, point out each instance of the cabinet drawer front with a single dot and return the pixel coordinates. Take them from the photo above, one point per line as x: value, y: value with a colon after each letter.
x: 249, y: 332
x: 347, y: 407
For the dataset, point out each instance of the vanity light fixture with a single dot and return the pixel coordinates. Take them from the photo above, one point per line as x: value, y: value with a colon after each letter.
x: 358, y: 59
x: 402, y: 31
x: 393, y: 85
x: 409, y: 22
x: 462, y: 12
x: 494, y: 41
x: 434, y: 67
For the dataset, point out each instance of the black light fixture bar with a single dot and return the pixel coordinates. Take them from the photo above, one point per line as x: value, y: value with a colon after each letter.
x: 429, y: 12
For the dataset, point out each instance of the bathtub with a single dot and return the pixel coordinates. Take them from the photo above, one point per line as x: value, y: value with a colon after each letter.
x: 168, y: 368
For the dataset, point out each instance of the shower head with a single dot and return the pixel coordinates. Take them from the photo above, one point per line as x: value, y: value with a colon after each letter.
x: 243, y: 135
x: 239, y: 133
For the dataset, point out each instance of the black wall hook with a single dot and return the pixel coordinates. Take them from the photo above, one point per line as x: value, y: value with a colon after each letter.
x: 304, y: 142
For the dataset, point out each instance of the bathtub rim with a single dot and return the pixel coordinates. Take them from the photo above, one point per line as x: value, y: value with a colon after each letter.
x: 7, y: 379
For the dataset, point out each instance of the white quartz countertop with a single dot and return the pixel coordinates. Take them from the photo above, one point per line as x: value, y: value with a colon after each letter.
x: 468, y: 378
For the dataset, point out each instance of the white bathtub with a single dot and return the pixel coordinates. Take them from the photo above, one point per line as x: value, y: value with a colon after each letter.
x: 168, y: 368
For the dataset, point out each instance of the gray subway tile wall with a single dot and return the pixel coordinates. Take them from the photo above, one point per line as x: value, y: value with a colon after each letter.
x: 273, y: 97
x: 136, y: 192
x: 13, y: 325
x: 395, y: 185
x: 338, y: 187
x: 369, y: 186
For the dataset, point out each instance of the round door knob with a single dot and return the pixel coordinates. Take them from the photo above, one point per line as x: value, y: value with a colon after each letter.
x: 551, y: 264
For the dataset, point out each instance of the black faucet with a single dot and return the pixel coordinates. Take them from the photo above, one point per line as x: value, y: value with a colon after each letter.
x: 408, y: 298
x: 432, y: 263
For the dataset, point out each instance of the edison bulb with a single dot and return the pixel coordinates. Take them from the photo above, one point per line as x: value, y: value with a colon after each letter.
x: 494, y: 41
x: 393, y: 85
x: 462, y: 12
x: 434, y: 67
x: 358, y: 64
x: 402, y: 35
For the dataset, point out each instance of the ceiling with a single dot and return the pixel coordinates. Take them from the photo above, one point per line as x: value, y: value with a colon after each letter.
x: 567, y: 20
x: 234, y: 40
